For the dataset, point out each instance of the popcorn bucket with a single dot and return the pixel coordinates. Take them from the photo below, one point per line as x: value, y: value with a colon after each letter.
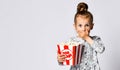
x: 72, y: 51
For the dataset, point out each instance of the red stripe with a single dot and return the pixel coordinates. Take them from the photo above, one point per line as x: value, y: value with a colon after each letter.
x: 58, y: 49
x: 66, y: 47
x: 74, y: 55
x: 67, y: 62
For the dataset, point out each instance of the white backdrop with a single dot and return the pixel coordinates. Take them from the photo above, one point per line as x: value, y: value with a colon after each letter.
x: 30, y: 30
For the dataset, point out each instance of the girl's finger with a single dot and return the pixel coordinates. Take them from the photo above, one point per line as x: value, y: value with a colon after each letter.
x: 61, y: 56
x: 62, y: 60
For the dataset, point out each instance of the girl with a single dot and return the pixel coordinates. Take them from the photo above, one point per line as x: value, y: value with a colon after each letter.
x: 83, y: 23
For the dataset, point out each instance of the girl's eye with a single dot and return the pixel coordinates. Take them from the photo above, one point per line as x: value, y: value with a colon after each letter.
x: 80, y: 25
x: 87, y: 25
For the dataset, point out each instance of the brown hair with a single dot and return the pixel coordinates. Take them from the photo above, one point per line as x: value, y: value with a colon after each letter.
x: 82, y: 9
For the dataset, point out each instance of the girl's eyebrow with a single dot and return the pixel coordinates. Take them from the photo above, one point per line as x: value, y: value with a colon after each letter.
x: 87, y: 23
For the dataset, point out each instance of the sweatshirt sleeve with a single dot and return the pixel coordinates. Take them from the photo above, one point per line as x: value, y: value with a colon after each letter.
x: 98, y: 45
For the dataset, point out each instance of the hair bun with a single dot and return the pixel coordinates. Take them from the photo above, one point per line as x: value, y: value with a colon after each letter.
x: 82, y: 7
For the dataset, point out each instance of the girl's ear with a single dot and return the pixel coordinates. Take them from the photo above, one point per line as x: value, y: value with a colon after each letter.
x: 92, y: 26
x: 74, y: 26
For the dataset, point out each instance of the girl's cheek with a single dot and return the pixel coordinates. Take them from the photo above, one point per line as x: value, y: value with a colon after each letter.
x: 88, y: 28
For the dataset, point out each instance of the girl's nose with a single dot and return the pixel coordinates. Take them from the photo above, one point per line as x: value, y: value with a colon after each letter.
x: 83, y: 28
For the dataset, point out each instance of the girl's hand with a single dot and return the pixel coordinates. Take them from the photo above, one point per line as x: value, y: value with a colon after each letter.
x: 60, y: 58
x: 86, y: 37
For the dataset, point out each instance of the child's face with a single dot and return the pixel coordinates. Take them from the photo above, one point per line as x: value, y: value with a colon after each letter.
x: 83, y: 26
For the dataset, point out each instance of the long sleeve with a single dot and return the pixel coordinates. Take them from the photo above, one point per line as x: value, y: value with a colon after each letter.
x: 98, y: 45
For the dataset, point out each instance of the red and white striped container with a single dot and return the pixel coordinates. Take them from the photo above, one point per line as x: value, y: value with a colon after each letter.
x: 72, y: 51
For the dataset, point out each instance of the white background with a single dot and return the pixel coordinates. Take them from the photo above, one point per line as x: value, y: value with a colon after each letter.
x: 30, y: 30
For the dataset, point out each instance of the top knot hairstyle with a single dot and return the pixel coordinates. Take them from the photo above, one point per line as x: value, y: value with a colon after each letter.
x: 82, y: 9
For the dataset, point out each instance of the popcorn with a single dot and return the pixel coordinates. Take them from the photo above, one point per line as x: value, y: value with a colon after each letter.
x: 72, y: 51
